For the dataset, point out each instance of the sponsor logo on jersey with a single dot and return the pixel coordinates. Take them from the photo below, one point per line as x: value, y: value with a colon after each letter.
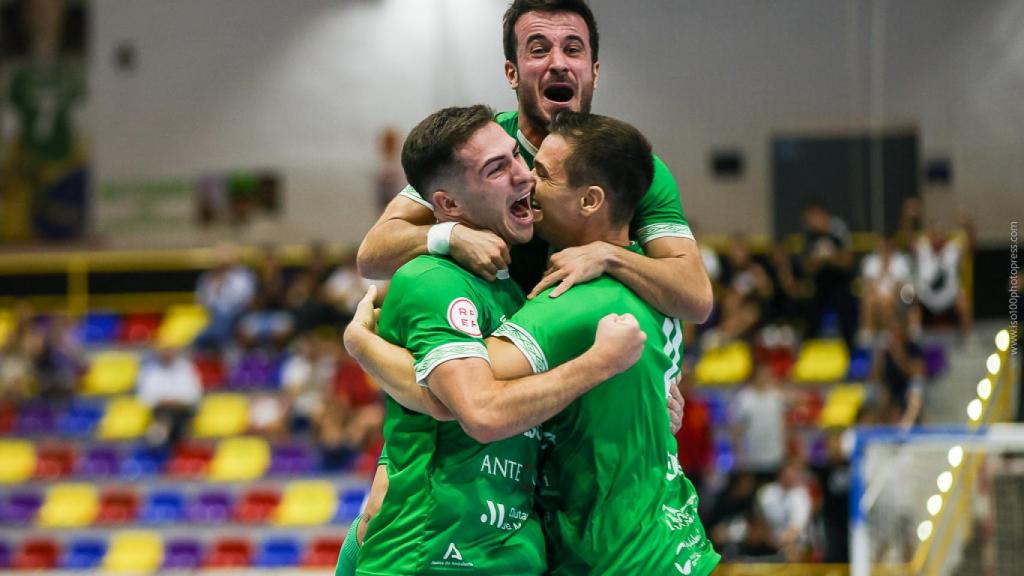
x: 501, y: 467
x: 463, y: 316
x: 496, y: 516
x: 680, y: 518
x: 452, y: 558
x: 687, y: 568
x: 674, y: 469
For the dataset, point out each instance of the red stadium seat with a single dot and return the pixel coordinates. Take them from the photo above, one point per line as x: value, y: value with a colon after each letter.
x: 229, y: 553
x: 118, y: 507
x: 53, y: 462
x: 211, y: 372
x: 190, y: 460
x: 322, y: 552
x: 257, y: 506
x: 37, y: 554
x: 8, y: 416
x: 138, y: 328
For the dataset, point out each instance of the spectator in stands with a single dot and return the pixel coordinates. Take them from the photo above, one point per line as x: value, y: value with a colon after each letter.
x: 390, y: 178
x: 17, y: 364
x: 307, y: 299
x: 747, y: 290
x: 225, y: 291
x: 759, y: 426
x: 834, y: 477
x: 306, y: 379
x: 170, y: 386
x: 828, y: 259
x: 787, y: 286
x: 59, y: 359
x: 344, y: 432
x: 267, y: 415
x: 939, y: 292
x: 899, y: 365
x: 268, y: 320
x: 345, y: 287
x: 785, y: 505
x: 886, y: 278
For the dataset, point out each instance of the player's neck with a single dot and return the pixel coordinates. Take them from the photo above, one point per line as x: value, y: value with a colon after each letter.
x: 618, y: 236
x: 533, y: 132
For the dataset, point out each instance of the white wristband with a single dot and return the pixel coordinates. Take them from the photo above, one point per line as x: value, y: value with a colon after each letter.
x: 438, y: 238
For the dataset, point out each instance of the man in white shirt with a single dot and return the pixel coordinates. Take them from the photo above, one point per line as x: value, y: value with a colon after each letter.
x: 786, y: 507
x: 759, y: 428
x: 171, y: 387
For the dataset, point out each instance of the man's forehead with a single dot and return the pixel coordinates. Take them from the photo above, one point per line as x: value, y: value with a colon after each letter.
x: 552, y: 25
x: 489, y: 140
x: 553, y: 152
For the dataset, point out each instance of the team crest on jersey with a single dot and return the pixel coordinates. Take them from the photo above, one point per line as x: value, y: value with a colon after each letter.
x: 463, y: 316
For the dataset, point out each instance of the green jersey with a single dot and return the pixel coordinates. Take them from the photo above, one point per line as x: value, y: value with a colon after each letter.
x: 658, y: 215
x: 44, y: 98
x: 453, y: 505
x: 613, y: 496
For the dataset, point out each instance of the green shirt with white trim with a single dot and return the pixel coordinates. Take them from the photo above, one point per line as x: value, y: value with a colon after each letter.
x: 613, y: 497
x: 658, y: 215
x: 453, y: 505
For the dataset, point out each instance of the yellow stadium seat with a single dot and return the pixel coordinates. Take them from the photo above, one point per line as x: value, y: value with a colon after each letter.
x: 17, y: 461
x: 111, y: 373
x: 126, y: 418
x: 244, y: 458
x: 307, y: 503
x: 822, y: 361
x: 69, y: 506
x: 134, y: 552
x: 728, y: 364
x: 6, y: 326
x: 181, y: 325
x: 221, y: 415
x: 841, y: 406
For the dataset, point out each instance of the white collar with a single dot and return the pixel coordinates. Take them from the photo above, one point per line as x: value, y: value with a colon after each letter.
x: 525, y: 143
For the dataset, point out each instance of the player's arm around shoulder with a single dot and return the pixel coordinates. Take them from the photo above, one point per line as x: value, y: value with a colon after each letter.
x: 401, y: 232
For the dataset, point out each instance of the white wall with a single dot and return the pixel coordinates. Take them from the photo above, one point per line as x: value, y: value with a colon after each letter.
x: 305, y: 86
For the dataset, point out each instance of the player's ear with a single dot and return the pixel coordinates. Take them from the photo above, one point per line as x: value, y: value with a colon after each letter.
x: 597, y: 72
x: 592, y: 201
x: 446, y: 204
x: 511, y: 75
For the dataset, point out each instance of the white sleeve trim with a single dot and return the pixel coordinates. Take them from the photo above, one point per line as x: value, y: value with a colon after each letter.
x: 446, y: 352
x: 526, y: 344
x: 663, y: 230
x: 411, y: 193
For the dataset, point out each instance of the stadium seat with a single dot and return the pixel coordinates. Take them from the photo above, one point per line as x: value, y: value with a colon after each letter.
x: 254, y: 371
x: 138, y: 328
x: 54, y: 462
x: 126, y: 419
x: 84, y: 554
x: 279, y: 552
x: 37, y: 554
x: 99, y: 461
x: 21, y: 507
x: 292, y: 460
x: 841, y: 406
x: 99, y: 328
x: 80, y: 419
x: 6, y: 325
x: 935, y: 360
x: 134, y: 552
x: 350, y: 502
x: 221, y: 415
x: 17, y: 461
x: 728, y: 364
x: 243, y: 458
x: 307, y: 503
x: 181, y: 325
x: 36, y: 419
x: 118, y: 506
x: 163, y: 507
x: 860, y: 365
x: 211, y: 371
x: 322, y: 553
x: 229, y: 553
x: 183, y: 555
x: 111, y: 372
x: 69, y: 506
x: 211, y: 507
x: 143, y: 461
x: 8, y: 416
x: 190, y: 459
x: 5, y: 555
x: 825, y: 360
x: 257, y: 506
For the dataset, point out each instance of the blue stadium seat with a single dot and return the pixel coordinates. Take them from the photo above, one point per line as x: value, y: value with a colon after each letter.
x: 143, y: 461
x: 80, y: 419
x: 860, y: 365
x: 163, y: 507
x: 99, y: 328
x: 84, y: 554
x: 279, y: 552
x: 350, y: 502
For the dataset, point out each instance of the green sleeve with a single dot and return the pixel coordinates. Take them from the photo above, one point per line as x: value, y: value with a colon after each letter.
x: 436, y: 317
x: 411, y: 193
x: 660, y: 212
x: 551, y: 331
x: 349, y: 551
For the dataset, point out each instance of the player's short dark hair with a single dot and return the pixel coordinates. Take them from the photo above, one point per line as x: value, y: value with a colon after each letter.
x: 518, y: 8
x: 429, y: 149
x: 609, y: 153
